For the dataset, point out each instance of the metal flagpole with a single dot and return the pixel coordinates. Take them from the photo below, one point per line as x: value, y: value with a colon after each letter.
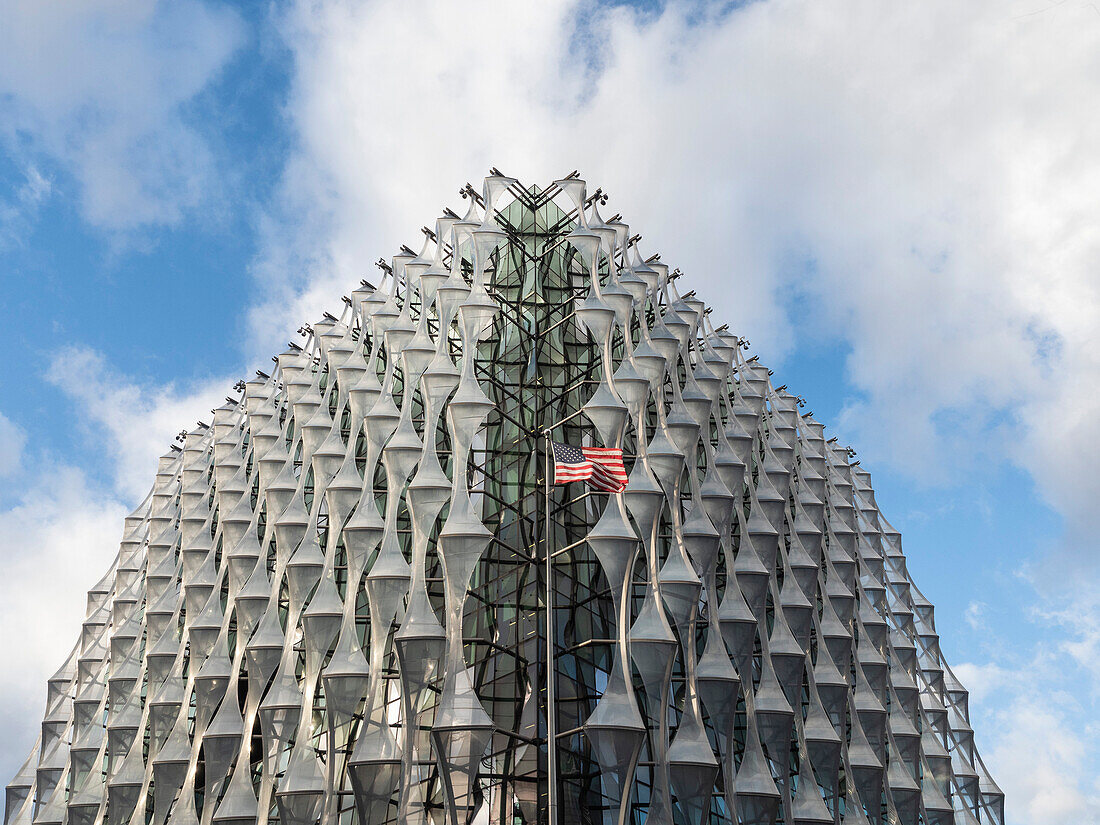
x: 551, y: 693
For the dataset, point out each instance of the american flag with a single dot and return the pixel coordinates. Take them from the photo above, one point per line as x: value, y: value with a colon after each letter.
x: 602, y: 467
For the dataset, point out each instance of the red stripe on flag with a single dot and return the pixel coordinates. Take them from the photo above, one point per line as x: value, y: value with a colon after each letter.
x: 602, y: 467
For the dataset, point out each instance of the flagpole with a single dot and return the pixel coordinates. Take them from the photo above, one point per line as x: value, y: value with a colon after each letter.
x: 551, y: 692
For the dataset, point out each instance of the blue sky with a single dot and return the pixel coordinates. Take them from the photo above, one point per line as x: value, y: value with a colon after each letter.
x: 895, y: 205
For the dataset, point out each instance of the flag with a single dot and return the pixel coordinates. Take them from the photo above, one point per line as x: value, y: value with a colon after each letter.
x: 602, y: 467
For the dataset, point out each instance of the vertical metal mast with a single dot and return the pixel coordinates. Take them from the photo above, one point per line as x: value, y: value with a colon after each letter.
x: 551, y: 665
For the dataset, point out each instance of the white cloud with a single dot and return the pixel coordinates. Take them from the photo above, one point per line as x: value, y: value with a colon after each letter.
x: 975, y: 614
x: 18, y: 211
x: 1074, y: 612
x: 1034, y: 739
x: 58, y: 540
x: 1040, y: 752
x: 101, y: 87
x: 133, y: 424
x: 100, y: 90
x: 923, y: 176
x: 103, y: 92
x: 1034, y: 703
x: 62, y: 530
x: 12, y: 441
x: 982, y: 680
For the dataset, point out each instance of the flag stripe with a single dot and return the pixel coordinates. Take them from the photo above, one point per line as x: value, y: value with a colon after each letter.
x: 601, y: 467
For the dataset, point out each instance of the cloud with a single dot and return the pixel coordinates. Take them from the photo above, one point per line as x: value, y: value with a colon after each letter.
x: 975, y: 615
x: 58, y: 540
x: 18, y: 210
x: 12, y: 441
x: 103, y: 90
x: 99, y: 100
x: 62, y: 528
x: 919, y: 179
x: 133, y: 423
x: 1038, y: 750
x: 1034, y: 703
x: 103, y: 94
x: 982, y: 680
x: 1074, y: 612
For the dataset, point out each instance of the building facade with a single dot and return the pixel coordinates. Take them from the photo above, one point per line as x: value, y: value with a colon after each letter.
x: 357, y: 596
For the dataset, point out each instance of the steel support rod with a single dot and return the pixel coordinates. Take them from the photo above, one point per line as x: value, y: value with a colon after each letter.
x: 551, y: 666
